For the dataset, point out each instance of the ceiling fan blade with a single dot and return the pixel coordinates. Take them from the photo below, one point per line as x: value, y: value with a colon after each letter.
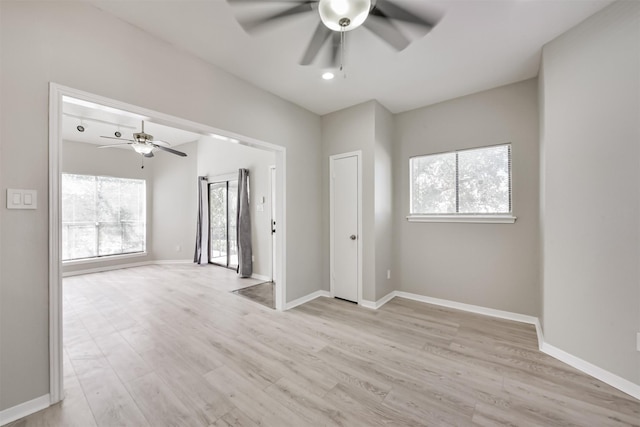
x: 170, y: 150
x: 114, y: 145
x: 270, y: 1
x: 253, y: 24
x: 119, y: 139
x: 163, y: 143
x: 386, y: 9
x: 318, y: 39
x: 385, y: 29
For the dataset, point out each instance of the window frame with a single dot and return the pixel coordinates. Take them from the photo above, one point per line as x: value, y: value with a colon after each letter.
x: 108, y: 257
x: 502, y: 217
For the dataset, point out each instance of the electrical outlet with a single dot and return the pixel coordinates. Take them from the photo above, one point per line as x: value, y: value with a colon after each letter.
x: 388, y: 274
x: 178, y: 248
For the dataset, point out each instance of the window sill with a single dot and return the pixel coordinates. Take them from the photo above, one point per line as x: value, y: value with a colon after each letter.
x: 104, y: 258
x: 478, y: 219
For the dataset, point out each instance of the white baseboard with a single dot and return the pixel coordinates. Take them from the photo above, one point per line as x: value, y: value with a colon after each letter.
x: 130, y: 265
x: 382, y: 301
x: 24, y: 409
x: 261, y: 277
x: 307, y: 298
x: 508, y: 315
x: 171, y: 261
x: 607, y: 377
x: 105, y: 268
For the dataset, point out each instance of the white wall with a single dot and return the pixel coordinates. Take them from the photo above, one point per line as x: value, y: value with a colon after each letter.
x: 490, y: 265
x: 591, y: 223
x: 217, y: 157
x: 77, y: 45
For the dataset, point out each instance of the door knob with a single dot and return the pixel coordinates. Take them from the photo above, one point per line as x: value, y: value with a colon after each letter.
x: 352, y: 237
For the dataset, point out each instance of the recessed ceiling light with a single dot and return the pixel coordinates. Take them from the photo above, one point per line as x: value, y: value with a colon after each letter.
x: 328, y: 75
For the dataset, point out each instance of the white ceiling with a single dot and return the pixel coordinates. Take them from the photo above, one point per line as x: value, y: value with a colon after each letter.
x: 101, y: 121
x: 477, y: 45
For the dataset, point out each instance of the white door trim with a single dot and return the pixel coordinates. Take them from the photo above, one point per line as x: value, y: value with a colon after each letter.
x: 332, y: 159
x: 272, y: 186
x: 56, y: 93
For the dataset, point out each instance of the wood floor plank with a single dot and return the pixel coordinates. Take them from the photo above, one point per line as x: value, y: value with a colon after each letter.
x: 159, y: 404
x: 171, y: 345
x: 107, y: 396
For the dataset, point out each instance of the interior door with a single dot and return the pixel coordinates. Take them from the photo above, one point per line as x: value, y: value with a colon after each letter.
x: 344, y: 227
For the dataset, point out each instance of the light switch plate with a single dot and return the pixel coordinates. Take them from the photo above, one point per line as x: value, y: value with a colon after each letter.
x: 22, y: 199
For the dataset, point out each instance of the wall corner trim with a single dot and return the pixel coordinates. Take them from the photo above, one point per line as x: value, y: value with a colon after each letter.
x: 24, y: 409
x: 307, y: 298
x: 382, y: 301
x: 607, y: 377
x: 261, y: 277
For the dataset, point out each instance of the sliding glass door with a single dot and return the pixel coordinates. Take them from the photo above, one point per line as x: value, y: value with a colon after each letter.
x: 223, y: 205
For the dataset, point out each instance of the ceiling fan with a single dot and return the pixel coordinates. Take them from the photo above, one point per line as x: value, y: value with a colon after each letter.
x: 339, y: 16
x: 144, y: 144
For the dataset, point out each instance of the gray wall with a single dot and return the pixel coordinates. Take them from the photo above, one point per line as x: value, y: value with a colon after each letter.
x: 383, y: 181
x: 174, y: 211
x: 490, y: 265
x: 217, y: 157
x: 347, y: 130
x: 591, y: 221
x: 77, y: 45
x: 367, y: 127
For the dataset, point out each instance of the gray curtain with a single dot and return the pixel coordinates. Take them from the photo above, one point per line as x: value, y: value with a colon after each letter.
x: 245, y: 264
x: 202, y: 234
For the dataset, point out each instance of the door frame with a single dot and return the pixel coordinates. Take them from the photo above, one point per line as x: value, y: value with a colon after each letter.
x: 56, y: 94
x: 218, y: 180
x: 332, y: 159
x: 273, y: 176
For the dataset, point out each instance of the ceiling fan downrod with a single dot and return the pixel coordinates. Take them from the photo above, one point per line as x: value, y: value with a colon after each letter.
x: 344, y: 22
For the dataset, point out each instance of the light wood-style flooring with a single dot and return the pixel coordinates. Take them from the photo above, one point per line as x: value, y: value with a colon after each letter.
x: 172, y: 346
x: 262, y: 293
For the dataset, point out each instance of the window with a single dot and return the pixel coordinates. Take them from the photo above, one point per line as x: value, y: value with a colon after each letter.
x: 102, y: 216
x: 462, y: 184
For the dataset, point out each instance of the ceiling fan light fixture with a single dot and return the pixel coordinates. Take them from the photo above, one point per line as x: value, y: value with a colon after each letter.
x: 142, y: 148
x: 343, y: 15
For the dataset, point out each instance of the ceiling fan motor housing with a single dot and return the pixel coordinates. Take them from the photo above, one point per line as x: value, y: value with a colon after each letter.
x: 142, y: 137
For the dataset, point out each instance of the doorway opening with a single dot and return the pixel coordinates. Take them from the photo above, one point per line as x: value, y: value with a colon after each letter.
x: 59, y: 95
x: 223, y: 211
